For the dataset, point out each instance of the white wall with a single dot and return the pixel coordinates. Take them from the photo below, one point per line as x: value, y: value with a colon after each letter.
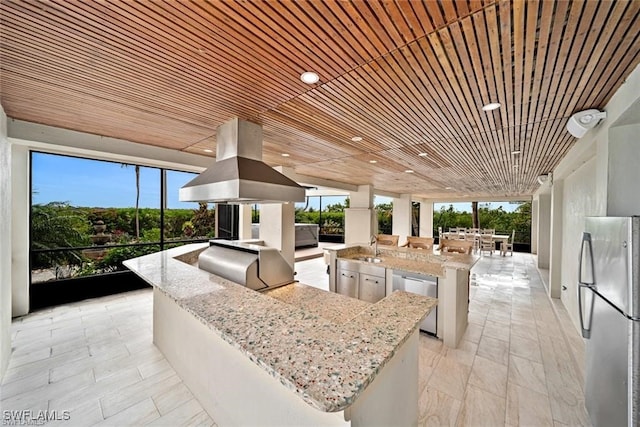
x: 579, y: 202
x: 5, y: 246
x: 624, y: 171
x: 592, y: 159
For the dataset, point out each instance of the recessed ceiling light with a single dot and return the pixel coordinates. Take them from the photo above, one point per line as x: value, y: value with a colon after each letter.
x: 422, y: 154
x: 206, y: 150
x: 514, y: 152
x: 309, y: 77
x: 448, y: 188
x: 356, y: 139
x: 285, y: 155
x: 373, y: 161
x: 491, y: 106
x: 408, y: 171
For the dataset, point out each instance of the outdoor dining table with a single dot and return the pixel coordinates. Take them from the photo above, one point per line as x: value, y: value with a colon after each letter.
x: 500, y: 238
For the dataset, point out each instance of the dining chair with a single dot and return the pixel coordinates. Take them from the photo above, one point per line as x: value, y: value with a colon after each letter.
x: 486, y: 241
x: 508, y: 245
x: 471, y: 237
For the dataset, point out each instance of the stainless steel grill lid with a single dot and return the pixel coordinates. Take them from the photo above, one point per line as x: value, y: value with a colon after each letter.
x: 254, y: 266
x: 239, y: 175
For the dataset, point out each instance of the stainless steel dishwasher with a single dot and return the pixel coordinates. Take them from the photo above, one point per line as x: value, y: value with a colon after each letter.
x: 420, y: 284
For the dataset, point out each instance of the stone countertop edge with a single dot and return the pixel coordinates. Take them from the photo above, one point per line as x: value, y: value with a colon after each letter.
x: 327, y: 364
x: 408, y: 259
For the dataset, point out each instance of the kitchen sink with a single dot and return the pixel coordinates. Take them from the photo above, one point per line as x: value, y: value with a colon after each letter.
x: 369, y: 259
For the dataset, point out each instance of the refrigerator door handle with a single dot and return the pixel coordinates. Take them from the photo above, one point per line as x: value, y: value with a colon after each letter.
x: 585, y: 316
x: 586, y: 241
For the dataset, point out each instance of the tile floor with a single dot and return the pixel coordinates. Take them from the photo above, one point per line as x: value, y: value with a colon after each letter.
x: 516, y: 364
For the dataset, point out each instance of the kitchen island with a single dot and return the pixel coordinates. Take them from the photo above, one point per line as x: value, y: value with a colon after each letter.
x: 294, y: 355
x: 451, y: 269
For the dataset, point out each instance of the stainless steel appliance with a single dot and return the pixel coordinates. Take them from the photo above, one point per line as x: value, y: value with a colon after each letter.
x: 250, y: 264
x: 239, y: 175
x: 423, y: 285
x: 609, y: 309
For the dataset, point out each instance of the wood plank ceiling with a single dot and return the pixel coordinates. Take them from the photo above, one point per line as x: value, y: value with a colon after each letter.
x: 409, y: 77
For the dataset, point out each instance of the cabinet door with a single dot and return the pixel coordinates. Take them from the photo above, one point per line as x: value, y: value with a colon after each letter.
x: 372, y: 288
x: 347, y: 283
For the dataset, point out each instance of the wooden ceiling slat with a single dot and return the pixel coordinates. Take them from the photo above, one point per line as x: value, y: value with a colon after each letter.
x: 376, y: 15
x: 407, y: 76
x: 415, y: 26
x: 421, y: 13
x: 324, y: 41
x: 615, y: 29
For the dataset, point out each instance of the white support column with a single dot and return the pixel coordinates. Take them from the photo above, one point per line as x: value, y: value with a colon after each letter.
x: 555, y: 255
x: 244, y: 222
x: 20, y: 190
x: 277, y: 228
x: 359, y: 217
x: 544, y: 230
x: 401, y: 224
x: 5, y: 246
x: 534, y: 225
x: 426, y: 219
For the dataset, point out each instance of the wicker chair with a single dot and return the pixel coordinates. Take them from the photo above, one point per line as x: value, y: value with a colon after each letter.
x: 419, y: 242
x: 456, y: 246
x: 387, y: 239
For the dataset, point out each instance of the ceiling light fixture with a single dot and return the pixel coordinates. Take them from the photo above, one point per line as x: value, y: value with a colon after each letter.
x: 373, y: 161
x: 491, y: 106
x: 514, y: 152
x: 309, y: 77
x: 356, y: 139
x: 582, y: 121
x: 408, y: 171
x: 285, y: 155
x: 206, y: 150
x: 422, y: 154
x: 448, y: 188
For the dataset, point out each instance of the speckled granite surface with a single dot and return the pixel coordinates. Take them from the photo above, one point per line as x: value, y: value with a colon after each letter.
x: 409, y: 259
x: 324, y: 347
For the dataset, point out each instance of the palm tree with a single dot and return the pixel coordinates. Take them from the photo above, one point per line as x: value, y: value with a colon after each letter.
x: 474, y: 215
x: 137, y: 171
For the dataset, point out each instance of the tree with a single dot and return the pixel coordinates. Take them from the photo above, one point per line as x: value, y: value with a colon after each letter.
x: 474, y: 215
x: 137, y: 172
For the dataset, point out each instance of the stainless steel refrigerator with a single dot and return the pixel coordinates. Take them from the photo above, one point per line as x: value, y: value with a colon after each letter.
x: 609, y: 309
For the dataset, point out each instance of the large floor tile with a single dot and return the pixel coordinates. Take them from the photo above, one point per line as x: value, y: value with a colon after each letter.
x: 481, y: 408
x: 96, y: 359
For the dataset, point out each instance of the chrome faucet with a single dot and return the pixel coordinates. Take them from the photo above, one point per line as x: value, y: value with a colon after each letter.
x: 374, y: 242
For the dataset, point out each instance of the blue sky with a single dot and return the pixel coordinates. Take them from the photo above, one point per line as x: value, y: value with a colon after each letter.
x: 95, y: 183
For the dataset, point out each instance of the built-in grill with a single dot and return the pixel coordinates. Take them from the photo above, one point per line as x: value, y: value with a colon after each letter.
x: 252, y: 264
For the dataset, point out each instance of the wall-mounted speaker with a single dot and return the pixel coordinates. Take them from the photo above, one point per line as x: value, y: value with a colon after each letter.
x: 582, y: 121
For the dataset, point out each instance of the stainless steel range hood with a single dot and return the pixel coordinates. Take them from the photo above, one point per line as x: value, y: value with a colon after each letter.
x: 239, y: 175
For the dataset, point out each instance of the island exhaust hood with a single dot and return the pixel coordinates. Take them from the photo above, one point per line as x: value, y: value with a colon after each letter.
x: 239, y: 175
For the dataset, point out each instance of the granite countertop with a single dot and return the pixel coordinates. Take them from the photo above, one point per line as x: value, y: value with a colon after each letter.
x: 325, y: 347
x: 408, y: 259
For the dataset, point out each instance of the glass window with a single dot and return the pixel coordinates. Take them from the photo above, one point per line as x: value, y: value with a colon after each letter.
x: 88, y: 216
x: 186, y: 220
